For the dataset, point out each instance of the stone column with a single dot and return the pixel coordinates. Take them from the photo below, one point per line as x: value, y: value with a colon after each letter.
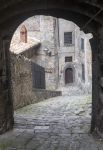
x: 95, y: 82
x: 97, y: 85
x: 6, y: 104
x: 100, y: 98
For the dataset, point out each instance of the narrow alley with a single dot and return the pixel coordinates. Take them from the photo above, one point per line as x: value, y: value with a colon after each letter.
x: 51, y: 75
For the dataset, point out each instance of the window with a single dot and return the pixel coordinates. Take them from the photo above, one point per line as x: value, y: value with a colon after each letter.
x: 68, y: 59
x: 67, y: 38
x: 23, y: 34
x: 83, y: 72
x: 82, y: 44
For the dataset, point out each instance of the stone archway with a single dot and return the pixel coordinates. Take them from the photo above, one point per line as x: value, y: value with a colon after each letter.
x: 76, y: 11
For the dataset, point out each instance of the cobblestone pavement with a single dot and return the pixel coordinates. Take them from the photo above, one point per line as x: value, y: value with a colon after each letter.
x: 60, y: 123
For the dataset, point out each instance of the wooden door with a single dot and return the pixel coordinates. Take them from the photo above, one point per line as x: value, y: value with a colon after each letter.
x: 68, y: 75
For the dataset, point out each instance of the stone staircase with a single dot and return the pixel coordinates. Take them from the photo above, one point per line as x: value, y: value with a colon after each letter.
x: 71, y: 90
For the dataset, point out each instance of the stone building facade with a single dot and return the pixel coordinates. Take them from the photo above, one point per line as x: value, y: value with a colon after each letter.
x: 74, y: 53
x: 64, y: 51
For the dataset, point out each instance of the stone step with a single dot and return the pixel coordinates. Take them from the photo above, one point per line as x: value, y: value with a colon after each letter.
x: 71, y: 91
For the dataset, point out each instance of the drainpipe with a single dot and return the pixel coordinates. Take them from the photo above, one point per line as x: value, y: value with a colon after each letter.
x: 58, y: 46
x: 85, y: 53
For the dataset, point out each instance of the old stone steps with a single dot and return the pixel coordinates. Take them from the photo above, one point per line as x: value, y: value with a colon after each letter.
x: 71, y: 91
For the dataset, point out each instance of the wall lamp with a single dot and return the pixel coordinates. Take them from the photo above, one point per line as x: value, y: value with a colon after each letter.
x: 47, y: 51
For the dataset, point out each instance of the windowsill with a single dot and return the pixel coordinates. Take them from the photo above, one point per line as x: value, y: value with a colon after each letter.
x: 69, y: 45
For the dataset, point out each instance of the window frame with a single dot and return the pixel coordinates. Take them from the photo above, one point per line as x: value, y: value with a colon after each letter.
x: 67, y: 41
x: 70, y: 58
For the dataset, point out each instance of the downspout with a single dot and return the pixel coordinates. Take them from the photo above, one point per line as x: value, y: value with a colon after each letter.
x: 58, y: 46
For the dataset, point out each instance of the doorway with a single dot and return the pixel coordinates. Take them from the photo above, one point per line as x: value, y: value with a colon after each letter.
x: 68, y: 75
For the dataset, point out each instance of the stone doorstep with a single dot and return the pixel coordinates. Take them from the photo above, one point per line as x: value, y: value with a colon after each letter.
x: 38, y: 129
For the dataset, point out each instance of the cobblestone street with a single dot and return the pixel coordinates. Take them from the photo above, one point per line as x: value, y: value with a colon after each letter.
x: 61, y: 123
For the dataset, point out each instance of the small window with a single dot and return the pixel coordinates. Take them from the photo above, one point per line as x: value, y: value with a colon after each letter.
x: 67, y: 38
x: 68, y: 59
x: 23, y: 34
x: 82, y: 44
x: 83, y: 72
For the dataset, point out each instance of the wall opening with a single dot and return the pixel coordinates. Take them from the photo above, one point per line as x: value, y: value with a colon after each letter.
x: 69, y: 76
x: 44, y: 67
x: 23, y: 34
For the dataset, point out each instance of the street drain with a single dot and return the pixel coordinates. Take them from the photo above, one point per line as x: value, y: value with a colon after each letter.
x: 41, y: 129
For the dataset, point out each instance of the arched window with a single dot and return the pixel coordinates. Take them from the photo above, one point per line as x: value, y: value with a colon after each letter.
x: 23, y: 34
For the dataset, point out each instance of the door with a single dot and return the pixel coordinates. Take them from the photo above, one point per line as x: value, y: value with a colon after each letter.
x: 38, y: 76
x: 68, y: 75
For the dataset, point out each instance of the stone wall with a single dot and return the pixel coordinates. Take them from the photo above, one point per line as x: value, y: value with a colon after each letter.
x: 22, y: 89
x: 21, y: 80
x: 6, y: 105
x: 36, y: 96
x: 47, y: 38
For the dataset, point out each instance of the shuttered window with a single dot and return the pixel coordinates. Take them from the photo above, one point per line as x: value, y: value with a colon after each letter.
x: 67, y: 38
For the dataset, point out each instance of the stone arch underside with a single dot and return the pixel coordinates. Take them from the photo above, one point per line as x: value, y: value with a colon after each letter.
x: 12, y: 13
